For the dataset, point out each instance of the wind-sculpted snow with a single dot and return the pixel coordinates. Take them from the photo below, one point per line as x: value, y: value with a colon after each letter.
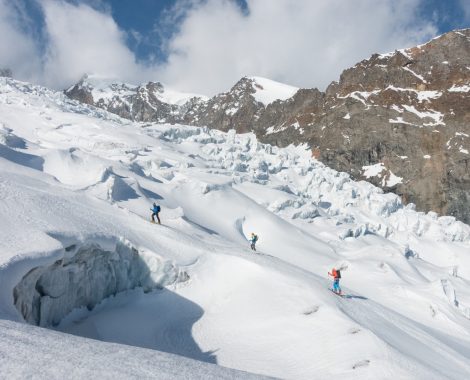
x: 9, y: 139
x: 78, y: 252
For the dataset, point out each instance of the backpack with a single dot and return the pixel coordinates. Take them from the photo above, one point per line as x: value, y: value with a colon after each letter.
x: 158, y: 209
x: 255, y: 238
x: 338, y: 273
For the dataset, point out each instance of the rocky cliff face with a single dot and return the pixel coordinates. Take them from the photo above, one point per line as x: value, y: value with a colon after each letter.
x: 400, y: 120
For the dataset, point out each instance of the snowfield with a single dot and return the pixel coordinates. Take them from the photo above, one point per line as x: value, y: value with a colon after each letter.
x: 268, y: 91
x: 188, y: 298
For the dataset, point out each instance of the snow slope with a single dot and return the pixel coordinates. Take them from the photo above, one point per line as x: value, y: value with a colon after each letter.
x: 33, y: 353
x: 268, y: 91
x: 78, y: 255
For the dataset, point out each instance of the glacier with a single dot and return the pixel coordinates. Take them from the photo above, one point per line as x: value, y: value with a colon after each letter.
x: 78, y: 255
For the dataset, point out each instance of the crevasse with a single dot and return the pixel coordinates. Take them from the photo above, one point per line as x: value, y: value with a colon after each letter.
x: 89, y: 274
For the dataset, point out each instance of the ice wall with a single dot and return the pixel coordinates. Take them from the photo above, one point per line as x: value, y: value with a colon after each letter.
x: 90, y: 274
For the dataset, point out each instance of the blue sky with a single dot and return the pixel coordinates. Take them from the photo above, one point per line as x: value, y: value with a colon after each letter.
x: 207, y: 45
x: 143, y: 20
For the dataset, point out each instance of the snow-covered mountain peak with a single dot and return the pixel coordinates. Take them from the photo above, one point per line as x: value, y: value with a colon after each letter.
x: 268, y: 91
x: 263, y: 90
x: 104, y: 90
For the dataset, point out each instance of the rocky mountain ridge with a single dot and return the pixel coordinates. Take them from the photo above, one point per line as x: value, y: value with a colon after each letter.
x: 399, y: 120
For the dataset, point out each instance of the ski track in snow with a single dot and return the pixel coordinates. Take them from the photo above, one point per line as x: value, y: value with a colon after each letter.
x: 71, y: 175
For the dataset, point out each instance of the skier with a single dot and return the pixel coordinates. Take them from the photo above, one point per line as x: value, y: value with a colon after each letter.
x: 155, y: 211
x: 253, y: 240
x: 336, y: 274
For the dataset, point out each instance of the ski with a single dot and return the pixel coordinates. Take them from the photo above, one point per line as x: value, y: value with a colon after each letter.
x: 338, y: 294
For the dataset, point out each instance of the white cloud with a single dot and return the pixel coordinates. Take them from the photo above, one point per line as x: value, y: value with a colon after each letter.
x: 18, y: 50
x: 465, y: 4
x: 79, y: 39
x: 83, y: 40
x: 305, y: 43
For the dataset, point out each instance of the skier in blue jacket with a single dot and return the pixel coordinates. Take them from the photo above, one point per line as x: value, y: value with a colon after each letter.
x: 155, y: 212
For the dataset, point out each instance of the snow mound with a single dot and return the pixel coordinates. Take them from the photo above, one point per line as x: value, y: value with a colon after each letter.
x: 74, y: 167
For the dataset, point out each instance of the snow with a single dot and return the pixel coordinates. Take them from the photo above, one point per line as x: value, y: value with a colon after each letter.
x: 386, y: 55
x: 405, y: 53
x: 424, y: 95
x: 399, y: 120
x: 283, y: 127
x: 455, y: 88
x: 231, y: 111
x: 188, y: 298
x: 427, y: 95
x: 392, y: 53
x: 268, y: 91
x: 373, y: 170
x: 38, y: 353
x: 362, y: 96
x: 393, y: 180
x: 171, y: 96
x: 107, y: 88
x: 396, y: 108
x: 435, y: 115
x: 458, y: 141
x: 377, y: 170
x: 276, y: 129
x: 420, y: 77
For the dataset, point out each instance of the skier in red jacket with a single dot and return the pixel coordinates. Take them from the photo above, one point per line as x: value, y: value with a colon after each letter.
x: 336, y: 274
